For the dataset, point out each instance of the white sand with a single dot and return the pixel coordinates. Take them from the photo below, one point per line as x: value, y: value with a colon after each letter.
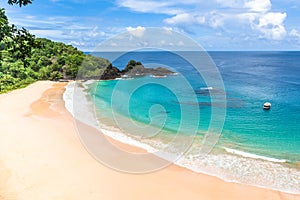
x: 41, y: 157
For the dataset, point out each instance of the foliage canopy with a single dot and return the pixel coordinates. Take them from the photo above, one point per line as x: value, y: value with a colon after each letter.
x: 25, y: 59
x: 20, y: 2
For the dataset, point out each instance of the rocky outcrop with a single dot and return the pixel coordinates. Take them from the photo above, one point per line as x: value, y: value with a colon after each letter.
x: 111, y: 73
x: 132, y: 69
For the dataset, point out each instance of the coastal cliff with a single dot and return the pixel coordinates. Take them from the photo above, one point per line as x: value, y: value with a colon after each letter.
x: 132, y: 69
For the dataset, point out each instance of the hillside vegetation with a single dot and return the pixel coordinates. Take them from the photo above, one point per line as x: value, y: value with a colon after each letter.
x: 25, y: 59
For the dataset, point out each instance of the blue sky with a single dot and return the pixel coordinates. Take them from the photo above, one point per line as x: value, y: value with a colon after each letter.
x: 214, y: 24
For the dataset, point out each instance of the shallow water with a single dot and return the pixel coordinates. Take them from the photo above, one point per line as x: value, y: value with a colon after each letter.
x: 256, y: 147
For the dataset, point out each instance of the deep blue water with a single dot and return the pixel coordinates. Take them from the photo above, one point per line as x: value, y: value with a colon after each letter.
x: 250, y: 79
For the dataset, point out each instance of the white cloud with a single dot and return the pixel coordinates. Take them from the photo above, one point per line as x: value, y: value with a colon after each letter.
x: 258, y: 5
x: 95, y: 32
x: 48, y: 33
x: 146, y: 6
x: 182, y: 18
x: 212, y: 19
x: 295, y: 34
x: 76, y: 43
x: 168, y: 30
x: 68, y: 29
x: 215, y: 19
x: 273, y: 19
x: 255, y: 16
x: 247, y: 17
x: 186, y: 18
x: 271, y: 25
x: 244, y: 19
x: 113, y: 44
x: 180, y: 43
x: 231, y: 3
x: 137, y: 32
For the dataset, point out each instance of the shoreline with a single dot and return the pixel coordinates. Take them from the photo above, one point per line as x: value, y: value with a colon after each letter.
x: 41, y: 157
x: 232, y: 155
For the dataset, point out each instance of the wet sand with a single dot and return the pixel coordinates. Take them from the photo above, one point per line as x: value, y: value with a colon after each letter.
x: 41, y: 157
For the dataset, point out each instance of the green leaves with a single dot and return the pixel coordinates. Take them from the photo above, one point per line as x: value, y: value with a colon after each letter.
x: 25, y: 59
x: 20, y: 2
x: 4, y: 26
x: 18, y: 42
x: 133, y: 64
x: 21, y: 44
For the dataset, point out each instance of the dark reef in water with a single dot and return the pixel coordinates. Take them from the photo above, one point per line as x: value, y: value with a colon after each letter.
x: 132, y: 69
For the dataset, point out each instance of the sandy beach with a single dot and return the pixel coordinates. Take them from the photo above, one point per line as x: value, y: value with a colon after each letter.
x: 41, y: 157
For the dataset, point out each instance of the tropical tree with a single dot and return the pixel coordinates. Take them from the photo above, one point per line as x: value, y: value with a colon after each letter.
x: 4, y: 26
x: 4, y: 31
x: 18, y: 42
x: 21, y: 44
x: 20, y: 2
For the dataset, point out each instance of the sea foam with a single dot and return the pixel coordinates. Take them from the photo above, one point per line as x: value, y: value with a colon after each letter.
x: 250, y: 155
x: 233, y: 166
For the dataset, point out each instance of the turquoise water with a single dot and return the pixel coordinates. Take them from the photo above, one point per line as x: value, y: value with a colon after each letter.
x: 256, y: 147
x: 256, y: 77
x: 250, y: 79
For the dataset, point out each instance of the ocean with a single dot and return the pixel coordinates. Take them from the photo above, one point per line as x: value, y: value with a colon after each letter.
x: 256, y: 146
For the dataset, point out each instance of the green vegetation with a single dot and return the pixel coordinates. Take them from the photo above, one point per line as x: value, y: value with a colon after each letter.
x: 132, y: 64
x: 25, y: 59
x: 134, y: 68
x: 50, y: 61
x: 20, y: 2
x: 15, y: 49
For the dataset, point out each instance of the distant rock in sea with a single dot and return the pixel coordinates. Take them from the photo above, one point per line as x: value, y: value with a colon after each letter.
x: 133, y: 69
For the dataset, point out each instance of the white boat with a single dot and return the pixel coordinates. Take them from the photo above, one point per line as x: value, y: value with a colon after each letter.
x: 155, y: 76
x: 206, y: 88
x: 267, y: 106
